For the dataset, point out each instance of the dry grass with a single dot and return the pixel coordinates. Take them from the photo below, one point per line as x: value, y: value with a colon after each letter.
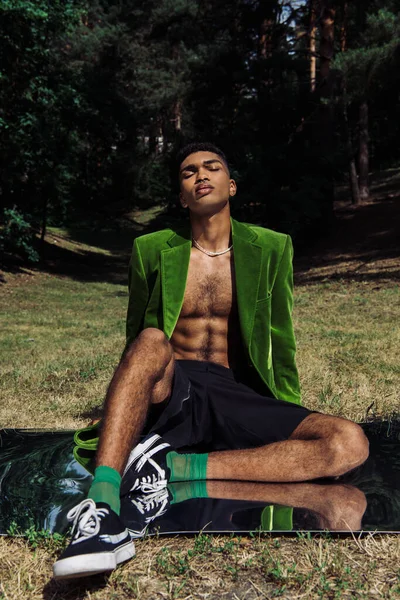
x: 62, y: 339
x: 348, y: 347
x: 217, y: 567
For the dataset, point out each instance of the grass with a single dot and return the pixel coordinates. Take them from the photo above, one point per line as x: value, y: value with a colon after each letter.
x: 216, y: 567
x: 61, y: 341
x: 348, y: 347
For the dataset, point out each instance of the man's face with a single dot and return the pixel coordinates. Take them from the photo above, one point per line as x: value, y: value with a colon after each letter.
x: 205, y: 183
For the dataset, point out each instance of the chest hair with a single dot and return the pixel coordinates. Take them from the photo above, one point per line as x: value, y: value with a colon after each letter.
x: 210, y: 294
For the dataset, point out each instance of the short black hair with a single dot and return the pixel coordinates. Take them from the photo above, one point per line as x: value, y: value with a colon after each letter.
x: 199, y: 147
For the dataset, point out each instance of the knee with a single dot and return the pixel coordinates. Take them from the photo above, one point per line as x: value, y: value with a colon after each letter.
x: 152, y: 336
x: 348, y: 448
x: 343, y: 507
x: 152, y: 344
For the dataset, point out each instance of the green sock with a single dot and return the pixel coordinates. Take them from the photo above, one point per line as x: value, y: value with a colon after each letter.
x: 105, y: 487
x: 187, y: 467
x: 185, y: 490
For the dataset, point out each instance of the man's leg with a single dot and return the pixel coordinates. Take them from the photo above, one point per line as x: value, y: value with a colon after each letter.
x: 321, y: 446
x: 337, y: 506
x: 143, y: 376
x: 281, y: 441
x: 100, y: 541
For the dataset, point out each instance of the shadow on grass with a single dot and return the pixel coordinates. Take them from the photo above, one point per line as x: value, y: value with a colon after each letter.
x: 364, y: 246
x: 96, y: 252
x: 75, y: 589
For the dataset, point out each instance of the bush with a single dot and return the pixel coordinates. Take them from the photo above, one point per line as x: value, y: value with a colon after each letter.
x: 17, y: 236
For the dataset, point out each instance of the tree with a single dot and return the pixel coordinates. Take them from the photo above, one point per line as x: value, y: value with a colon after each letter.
x: 33, y: 97
x: 97, y: 95
x: 370, y: 71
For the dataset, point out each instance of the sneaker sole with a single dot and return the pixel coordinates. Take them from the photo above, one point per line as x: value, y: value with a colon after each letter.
x: 90, y: 564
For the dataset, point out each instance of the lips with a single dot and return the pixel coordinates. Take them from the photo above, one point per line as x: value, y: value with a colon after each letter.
x: 202, y: 190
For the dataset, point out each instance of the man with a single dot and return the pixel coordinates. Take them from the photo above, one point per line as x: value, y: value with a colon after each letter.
x: 209, y: 311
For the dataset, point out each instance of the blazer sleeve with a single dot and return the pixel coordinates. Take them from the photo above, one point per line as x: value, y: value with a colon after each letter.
x: 282, y: 334
x: 138, y: 295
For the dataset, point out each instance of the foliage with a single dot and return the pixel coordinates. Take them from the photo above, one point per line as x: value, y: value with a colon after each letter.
x: 17, y: 235
x: 96, y: 97
x: 36, y: 537
x: 370, y: 69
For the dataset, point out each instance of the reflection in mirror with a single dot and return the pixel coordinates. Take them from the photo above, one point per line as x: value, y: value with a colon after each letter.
x: 40, y: 481
x: 244, y: 506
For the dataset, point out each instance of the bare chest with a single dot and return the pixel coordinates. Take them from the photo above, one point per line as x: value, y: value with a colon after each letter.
x: 210, y: 289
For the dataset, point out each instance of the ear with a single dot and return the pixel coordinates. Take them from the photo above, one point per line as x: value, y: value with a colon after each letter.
x: 181, y: 200
x: 232, y: 188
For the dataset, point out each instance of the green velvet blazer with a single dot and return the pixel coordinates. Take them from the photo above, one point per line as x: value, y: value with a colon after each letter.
x: 264, y: 284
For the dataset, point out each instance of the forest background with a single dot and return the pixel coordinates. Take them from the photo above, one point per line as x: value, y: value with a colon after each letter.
x: 96, y: 97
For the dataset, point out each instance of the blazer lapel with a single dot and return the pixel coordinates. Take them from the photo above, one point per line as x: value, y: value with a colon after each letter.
x: 247, y: 260
x: 174, y: 271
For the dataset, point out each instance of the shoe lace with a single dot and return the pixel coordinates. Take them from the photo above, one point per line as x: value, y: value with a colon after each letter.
x: 150, y: 483
x: 86, y: 520
x: 155, y: 501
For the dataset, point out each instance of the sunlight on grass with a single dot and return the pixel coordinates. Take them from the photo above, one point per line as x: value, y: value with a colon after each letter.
x: 348, y: 348
x: 61, y: 342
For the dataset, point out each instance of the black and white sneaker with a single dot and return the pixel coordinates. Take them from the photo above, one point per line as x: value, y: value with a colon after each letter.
x: 139, y: 511
x: 146, y: 470
x: 99, y: 542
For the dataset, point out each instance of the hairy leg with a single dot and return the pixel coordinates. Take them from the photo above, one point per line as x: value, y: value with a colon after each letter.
x: 143, y: 376
x: 337, y: 506
x: 321, y: 446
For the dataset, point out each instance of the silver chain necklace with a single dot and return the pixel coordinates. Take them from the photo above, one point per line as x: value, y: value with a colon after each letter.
x: 208, y: 252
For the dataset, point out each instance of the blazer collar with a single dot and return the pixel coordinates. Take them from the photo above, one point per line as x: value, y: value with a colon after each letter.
x: 180, y: 237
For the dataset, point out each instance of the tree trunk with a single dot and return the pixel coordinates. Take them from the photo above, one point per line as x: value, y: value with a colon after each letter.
x: 312, y: 46
x: 343, y: 26
x: 353, y: 178
x: 265, y: 49
x: 355, y: 191
x: 265, y: 39
x: 44, y: 215
x: 363, y: 162
x: 178, y: 103
x: 325, y: 132
x: 327, y: 30
x: 178, y: 117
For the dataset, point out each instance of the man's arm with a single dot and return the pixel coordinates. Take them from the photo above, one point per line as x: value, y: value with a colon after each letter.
x: 138, y: 295
x: 282, y: 334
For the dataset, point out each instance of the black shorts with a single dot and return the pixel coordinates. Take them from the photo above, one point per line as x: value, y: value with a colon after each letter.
x: 211, y: 409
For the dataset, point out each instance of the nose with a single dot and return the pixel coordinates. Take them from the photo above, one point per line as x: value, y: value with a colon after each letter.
x: 202, y: 175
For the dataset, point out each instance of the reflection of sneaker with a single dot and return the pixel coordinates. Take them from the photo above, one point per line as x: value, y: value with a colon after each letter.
x: 139, y: 511
x: 146, y: 469
x: 99, y: 542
